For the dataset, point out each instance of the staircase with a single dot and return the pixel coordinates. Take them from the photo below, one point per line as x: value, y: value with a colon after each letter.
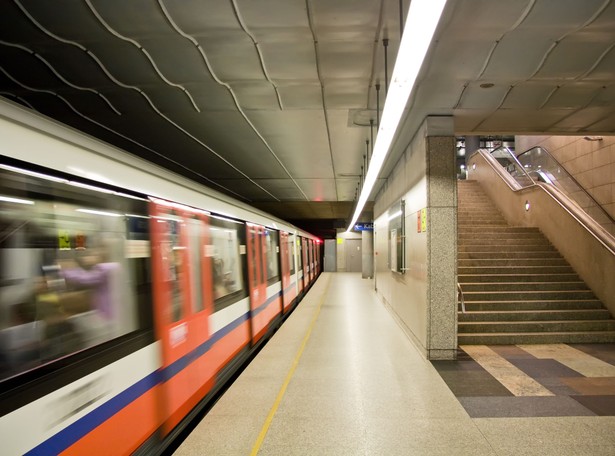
x: 517, y: 288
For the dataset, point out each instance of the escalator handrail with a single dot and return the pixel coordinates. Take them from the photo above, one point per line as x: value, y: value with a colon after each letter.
x: 568, y: 175
x: 589, y: 224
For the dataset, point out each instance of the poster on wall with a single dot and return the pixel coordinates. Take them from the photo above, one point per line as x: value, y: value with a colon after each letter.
x: 393, y: 248
x: 397, y: 237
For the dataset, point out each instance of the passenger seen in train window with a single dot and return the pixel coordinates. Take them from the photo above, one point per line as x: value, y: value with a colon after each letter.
x: 92, y: 270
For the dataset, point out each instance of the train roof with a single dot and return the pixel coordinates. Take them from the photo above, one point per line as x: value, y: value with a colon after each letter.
x: 37, y: 139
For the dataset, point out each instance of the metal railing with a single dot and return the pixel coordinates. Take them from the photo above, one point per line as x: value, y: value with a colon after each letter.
x: 460, y: 298
x: 537, y: 165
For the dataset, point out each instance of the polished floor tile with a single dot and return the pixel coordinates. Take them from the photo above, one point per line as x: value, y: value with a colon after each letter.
x: 599, y: 405
x: 523, y: 406
x: 605, y: 352
x: 514, y: 379
x: 558, y: 368
x: 601, y: 386
x: 360, y: 388
x: 585, y: 364
x: 541, y: 368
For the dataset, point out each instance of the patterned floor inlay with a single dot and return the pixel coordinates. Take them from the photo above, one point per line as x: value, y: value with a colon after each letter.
x: 533, y: 380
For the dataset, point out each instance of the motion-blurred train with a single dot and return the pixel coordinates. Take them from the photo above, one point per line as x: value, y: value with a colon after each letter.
x: 128, y: 294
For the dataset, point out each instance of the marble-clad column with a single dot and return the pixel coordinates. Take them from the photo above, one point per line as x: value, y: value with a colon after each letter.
x: 441, y: 239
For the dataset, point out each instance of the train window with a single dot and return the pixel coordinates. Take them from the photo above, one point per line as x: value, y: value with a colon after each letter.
x: 195, y: 234
x: 71, y: 269
x: 291, y: 253
x: 272, y: 244
x: 253, y: 265
x: 175, y: 260
x: 226, y: 262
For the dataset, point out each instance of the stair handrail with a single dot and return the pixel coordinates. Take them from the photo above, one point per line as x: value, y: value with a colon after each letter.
x: 460, y: 297
x: 567, y: 175
x: 589, y: 224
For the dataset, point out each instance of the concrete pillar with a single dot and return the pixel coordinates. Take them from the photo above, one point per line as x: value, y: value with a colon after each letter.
x: 472, y: 145
x: 441, y: 243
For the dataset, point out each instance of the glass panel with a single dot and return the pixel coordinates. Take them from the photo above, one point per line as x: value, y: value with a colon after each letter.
x: 538, y: 165
x: 226, y: 263
x: 69, y: 269
x: 272, y: 255
x: 174, y: 262
x: 543, y: 167
x: 195, y: 234
x: 291, y: 253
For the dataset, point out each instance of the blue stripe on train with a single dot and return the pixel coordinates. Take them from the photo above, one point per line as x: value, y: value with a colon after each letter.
x: 76, y: 431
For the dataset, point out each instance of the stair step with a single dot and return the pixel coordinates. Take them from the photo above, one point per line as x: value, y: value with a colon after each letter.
x: 523, y: 286
x: 501, y: 242
x: 565, y: 295
x: 576, y: 337
x: 481, y: 222
x: 536, y: 326
x: 500, y: 235
x: 503, y: 229
x: 535, y: 305
x: 508, y: 278
x: 505, y: 248
x: 534, y: 315
x: 462, y: 270
x: 513, y: 262
x: 507, y: 255
x: 517, y: 288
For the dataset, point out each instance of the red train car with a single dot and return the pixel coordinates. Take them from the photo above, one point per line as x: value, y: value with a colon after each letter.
x: 129, y: 295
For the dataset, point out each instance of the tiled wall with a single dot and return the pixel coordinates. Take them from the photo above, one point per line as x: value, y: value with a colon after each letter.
x: 592, y: 163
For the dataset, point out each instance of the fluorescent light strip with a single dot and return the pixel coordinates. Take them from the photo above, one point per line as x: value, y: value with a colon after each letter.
x: 94, y: 212
x: 9, y: 199
x: 90, y: 187
x: 33, y: 173
x: 421, y: 23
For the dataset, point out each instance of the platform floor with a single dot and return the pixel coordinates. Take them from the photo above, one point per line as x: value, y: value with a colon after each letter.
x: 341, y: 378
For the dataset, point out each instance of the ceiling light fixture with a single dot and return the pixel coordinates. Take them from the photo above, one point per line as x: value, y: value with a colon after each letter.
x: 421, y: 23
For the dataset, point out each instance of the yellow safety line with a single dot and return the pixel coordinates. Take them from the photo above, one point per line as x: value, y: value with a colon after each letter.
x: 289, y: 376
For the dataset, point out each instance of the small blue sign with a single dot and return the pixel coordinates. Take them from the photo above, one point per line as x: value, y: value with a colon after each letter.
x: 364, y: 226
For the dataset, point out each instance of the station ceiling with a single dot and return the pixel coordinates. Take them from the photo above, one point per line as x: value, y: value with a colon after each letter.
x: 270, y: 101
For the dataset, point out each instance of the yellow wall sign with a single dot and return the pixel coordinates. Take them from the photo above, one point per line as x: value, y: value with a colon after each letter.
x: 63, y: 239
x: 340, y: 240
x: 421, y: 221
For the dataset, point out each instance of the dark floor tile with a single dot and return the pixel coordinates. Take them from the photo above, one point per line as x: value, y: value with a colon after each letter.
x: 600, y: 405
x: 557, y: 386
x: 604, y: 352
x: 538, y: 368
x: 594, y: 386
x: 511, y: 352
x: 456, y: 366
x: 523, y: 406
x: 474, y: 383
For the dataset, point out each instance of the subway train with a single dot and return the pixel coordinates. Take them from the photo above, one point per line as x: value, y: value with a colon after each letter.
x: 129, y: 295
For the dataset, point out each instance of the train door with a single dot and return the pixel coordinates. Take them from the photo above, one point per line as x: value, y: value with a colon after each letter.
x: 312, y: 262
x: 285, y: 265
x: 299, y: 262
x: 306, y: 264
x: 257, y: 278
x: 181, y: 306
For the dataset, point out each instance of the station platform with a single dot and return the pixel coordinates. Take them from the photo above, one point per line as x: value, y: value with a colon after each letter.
x: 340, y: 377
